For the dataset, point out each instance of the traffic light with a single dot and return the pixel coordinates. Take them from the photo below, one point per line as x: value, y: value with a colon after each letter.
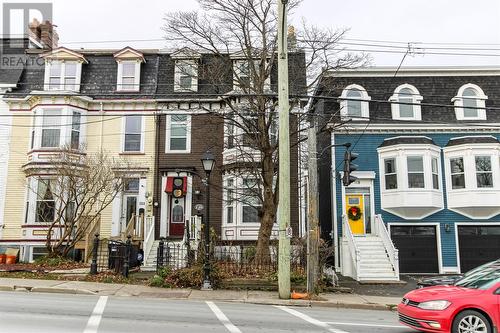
x: 349, y: 167
x: 178, y: 187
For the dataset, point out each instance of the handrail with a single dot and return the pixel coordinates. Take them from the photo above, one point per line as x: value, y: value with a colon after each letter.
x: 149, y: 233
x: 352, y: 245
x: 388, y: 244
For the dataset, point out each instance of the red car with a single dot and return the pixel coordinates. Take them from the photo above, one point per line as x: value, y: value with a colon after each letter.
x: 471, y: 305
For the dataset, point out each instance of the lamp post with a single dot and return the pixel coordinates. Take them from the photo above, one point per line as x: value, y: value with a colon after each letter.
x: 208, y: 162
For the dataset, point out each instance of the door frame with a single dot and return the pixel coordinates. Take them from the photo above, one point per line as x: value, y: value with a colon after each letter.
x: 472, y: 224
x: 165, y: 202
x: 365, y: 180
x: 438, y: 237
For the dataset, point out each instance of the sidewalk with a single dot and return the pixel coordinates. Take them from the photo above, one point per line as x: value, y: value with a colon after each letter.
x: 256, y: 297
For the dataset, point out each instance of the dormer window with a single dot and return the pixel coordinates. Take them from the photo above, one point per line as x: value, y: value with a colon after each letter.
x: 63, y: 70
x: 470, y: 103
x: 354, y: 103
x: 186, y: 75
x: 245, y: 77
x: 129, y: 69
x: 405, y: 103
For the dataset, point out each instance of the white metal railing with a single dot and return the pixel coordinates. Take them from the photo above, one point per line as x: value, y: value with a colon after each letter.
x: 355, y: 255
x: 194, y: 230
x: 382, y: 232
x: 149, y: 236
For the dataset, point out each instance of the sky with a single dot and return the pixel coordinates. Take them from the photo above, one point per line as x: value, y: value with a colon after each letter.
x: 445, y: 26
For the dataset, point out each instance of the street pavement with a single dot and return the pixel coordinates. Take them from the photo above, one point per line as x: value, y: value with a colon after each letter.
x: 66, y: 313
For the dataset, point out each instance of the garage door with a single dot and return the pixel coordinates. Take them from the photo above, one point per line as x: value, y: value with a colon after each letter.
x: 417, y: 245
x: 478, y: 245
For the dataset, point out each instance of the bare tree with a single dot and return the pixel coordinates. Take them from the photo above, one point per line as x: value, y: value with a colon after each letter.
x: 71, y: 196
x: 241, y: 37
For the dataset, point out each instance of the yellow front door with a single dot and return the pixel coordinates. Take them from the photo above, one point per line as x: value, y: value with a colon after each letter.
x: 355, y: 213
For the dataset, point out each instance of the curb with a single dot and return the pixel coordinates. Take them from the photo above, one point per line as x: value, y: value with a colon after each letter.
x: 52, y: 290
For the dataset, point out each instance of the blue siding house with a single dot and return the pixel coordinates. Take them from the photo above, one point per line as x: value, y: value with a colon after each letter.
x: 427, y: 194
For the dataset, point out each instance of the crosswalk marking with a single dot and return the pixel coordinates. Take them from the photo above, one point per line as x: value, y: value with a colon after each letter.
x: 222, y: 318
x: 95, y: 318
x: 310, y: 319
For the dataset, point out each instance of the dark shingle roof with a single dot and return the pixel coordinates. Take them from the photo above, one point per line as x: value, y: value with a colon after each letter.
x: 10, y: 76
x: 471, y: 139
x: 407, y: 140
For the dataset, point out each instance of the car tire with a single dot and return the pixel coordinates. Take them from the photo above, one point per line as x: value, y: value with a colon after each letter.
x: 468, y: 319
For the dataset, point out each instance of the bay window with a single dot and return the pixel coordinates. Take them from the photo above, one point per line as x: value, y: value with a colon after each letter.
x: 415, y: 172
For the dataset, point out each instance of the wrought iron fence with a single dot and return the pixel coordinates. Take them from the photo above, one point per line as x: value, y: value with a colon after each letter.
x: 113, y: 256
x: 237, y: 260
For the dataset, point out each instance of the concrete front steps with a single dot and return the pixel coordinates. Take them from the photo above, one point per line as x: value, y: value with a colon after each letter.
x: 150, y: 263
x: 374, y: 265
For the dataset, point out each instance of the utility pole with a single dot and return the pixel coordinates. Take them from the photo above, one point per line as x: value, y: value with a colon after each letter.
x: 312, y: 212
x: 284, y: 155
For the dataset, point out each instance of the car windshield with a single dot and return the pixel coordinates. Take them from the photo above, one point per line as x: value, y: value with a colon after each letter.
x: 482, y: 279
x: 479, y: 268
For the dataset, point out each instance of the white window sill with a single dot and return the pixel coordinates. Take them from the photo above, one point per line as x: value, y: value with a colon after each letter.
x: 177, y: 151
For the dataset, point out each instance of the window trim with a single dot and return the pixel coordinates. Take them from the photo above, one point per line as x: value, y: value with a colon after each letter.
x: 137, y: 76
x: 484, y: 172
x: 62, y: 77
x: 458, y: 101
x: 416, y: 98
x: 394, y: 158
x: 168, y: 131
x: 124, y: 126
x: 365, y: 103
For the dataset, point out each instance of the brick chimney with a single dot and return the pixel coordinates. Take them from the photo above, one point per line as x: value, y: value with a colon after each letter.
x: 44, y: 33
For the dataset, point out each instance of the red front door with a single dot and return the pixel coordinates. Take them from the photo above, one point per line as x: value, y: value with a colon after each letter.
x: 176, y: 217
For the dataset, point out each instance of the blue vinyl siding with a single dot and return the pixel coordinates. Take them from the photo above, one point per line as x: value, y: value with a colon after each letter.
x: 366, y: 147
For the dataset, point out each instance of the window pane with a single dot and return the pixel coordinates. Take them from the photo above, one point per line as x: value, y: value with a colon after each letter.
x: 415, y: 164
x: 406, y: 110
x: 70, y: 69
x: 128, y: 69
x: 457, y: 165
x: 434, y: 165
x: 50, y: 138
x: 435, y: 181
x: 469, y: 92
x: 51, y: 119
x: 390, y: 165
x: 354, y: 108
x: 69, y: 83
x: 179, y: 117
x: 185, y: 82
x: 457, y: 181
x: 177, y: 143
x: 469, y: 107
x: 484, y: 179
x: 133, y: 124
x: 229, y: 216
x: 178, y: 130
x: 128, y: 83
x: 55, y: 68
x: 250, y: 214
x: 75, y: 139
x: 43, y: 191
x: 391, y: 182
x: 75, y: 121
x: 54, y: 83
x: 132, y: 142
x: 131, y: 184
x: 45, y: 211
x: 483, y: 163
x: 416, y: 180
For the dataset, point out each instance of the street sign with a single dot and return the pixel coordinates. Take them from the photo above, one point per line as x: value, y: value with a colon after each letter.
x: 199, y: 207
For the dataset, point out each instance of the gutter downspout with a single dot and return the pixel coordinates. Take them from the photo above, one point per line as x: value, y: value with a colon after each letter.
x: 101, y: 111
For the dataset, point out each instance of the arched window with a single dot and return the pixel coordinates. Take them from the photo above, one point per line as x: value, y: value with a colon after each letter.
x: 470, y: 103
x: 406, y: 100
x: 354, y: 103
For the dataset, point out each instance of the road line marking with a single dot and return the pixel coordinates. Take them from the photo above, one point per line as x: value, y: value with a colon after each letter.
x: 310, y: 319
x: 222, y: 317
x: 364, y: 324
x: 95, y: 318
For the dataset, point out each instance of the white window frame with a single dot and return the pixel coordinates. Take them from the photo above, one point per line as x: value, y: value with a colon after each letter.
x: 137, y: 76
x: 408, y: 172
x: 179, y: 63
x: 394, y: 158
x: 365, y: 108
x: 415, y: 97
x: 469, y: 152
x: 62, y: 77
x: 459, y: 103
x: 124, y: 126
x: 65, y: 127
x: 31, y: 200
x: 477, y: 172
x: 168, y: 131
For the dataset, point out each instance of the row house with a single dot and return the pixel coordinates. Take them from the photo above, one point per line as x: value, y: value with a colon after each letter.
x: 427, y: 194
x: 154, y: 109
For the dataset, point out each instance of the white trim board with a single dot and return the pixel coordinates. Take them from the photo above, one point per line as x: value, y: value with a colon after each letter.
x: 438, y: 237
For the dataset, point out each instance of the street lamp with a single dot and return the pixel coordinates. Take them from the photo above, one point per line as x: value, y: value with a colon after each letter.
x: 208, y: 162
